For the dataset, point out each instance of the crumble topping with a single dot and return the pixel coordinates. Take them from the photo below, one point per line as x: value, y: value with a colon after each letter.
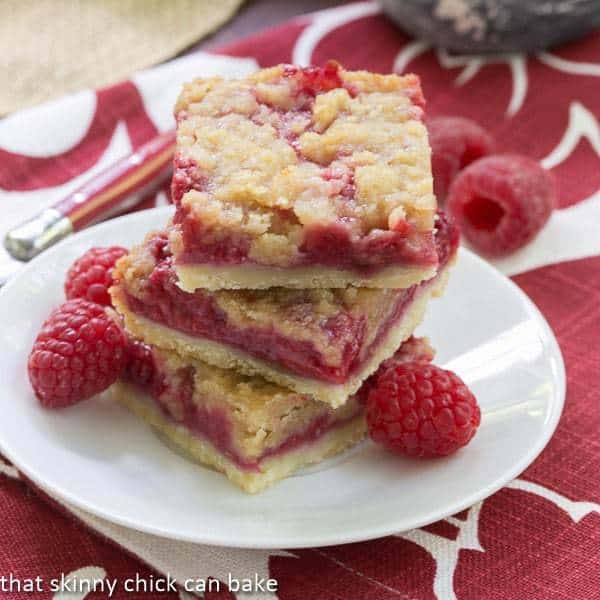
x: 265, y: 158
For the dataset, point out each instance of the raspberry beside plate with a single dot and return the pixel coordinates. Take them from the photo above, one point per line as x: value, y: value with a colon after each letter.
x: 79, y: 352
x: 90, y: 276
x: 501, y: 202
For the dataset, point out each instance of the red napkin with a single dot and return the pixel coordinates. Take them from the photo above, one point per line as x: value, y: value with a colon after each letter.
x: 539, y: 537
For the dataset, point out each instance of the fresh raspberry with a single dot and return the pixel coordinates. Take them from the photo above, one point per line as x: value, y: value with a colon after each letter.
x: 414, y: 349
x: 501, y: 202
x: 455, y: 143
x: 91, y: 275
x: 79, y: 352
x: 418, y: 409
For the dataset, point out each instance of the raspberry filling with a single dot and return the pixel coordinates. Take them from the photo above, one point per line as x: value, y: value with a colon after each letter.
x: 332, y: 245
x: 313, y: 80
x: 174, y: 395
x: 198, y: 314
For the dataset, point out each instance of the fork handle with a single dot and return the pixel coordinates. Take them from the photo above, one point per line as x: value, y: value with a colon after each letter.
x: 117, y: 188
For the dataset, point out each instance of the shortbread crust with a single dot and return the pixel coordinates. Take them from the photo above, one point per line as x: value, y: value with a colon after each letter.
x: 256, y: 277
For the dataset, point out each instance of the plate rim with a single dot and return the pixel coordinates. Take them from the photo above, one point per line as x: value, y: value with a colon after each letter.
x: 269, y: 542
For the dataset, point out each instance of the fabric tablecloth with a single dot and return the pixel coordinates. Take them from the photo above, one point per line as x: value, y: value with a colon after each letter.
x: 539, y: 537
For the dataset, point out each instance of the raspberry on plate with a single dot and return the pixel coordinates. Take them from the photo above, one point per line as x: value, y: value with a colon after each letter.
x: 79, y: 352
x: 421, y: 410
x: 501, y: 202
x: 455, y: 142
x: 91, y: 275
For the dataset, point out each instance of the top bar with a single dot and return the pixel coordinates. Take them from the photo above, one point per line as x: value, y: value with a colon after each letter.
x: 302, y: 178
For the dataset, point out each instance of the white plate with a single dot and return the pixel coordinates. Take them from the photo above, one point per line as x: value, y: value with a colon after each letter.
x: 100, y: 458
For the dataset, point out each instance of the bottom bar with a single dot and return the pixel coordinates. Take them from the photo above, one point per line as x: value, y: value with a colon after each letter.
x: 201, y: 450
x: 253, y: 431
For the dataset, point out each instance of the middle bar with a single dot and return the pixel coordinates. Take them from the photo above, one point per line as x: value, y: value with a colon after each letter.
x: 322, y: 342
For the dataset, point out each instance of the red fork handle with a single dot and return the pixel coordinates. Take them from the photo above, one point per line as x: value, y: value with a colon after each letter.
x: 120, y: 186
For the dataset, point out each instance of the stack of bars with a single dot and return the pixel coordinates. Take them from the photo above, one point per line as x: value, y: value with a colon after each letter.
x: 303, y: 251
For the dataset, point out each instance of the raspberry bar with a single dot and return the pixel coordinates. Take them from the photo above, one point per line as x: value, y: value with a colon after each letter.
x: 302, y: 178
x: 323, y: 342
x: 253, y: 431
